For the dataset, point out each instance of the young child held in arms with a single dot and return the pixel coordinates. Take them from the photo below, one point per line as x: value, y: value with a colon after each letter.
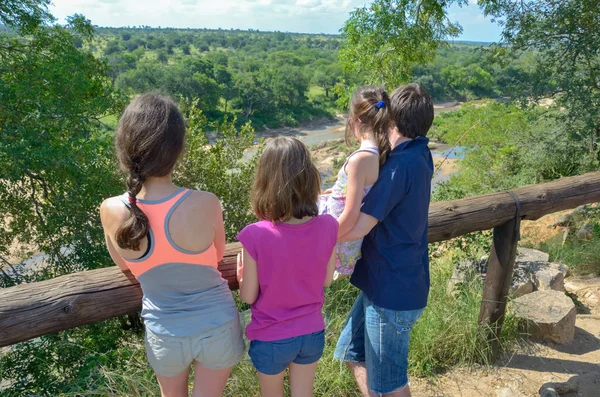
x: 368, y: 122
x: 287, y: 259
x: 171, y: 239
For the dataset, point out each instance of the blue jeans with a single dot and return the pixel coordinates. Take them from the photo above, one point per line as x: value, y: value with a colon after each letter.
x: 379, y: 338
x: 272, y: 358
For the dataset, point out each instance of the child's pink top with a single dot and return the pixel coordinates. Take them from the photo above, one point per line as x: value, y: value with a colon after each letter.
x: 292, y: 266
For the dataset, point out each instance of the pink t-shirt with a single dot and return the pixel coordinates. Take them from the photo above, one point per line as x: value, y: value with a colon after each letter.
x: 292, y: 266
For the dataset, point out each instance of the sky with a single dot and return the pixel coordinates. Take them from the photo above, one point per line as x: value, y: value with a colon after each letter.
x: 304, y: 16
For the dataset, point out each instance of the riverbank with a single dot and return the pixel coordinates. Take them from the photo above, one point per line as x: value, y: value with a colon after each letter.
x: 329, y: 156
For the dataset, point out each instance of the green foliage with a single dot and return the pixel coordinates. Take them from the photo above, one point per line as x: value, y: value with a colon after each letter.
x: 507, y: 146
x: 25, y: 15
x: 565, y: 37
x: 60, y: 364
x: 263, y: 78
x: 56, y: 164
x: 385, y: 39
x: 220, y: 167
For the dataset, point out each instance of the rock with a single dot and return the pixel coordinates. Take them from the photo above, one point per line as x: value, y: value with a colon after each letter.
x: 548, y: 278
x: 464, y: 273
x: 521, y: 284
x: 564, y: 269
x: 552, y: 389
x: 585, y: 232
x: 531, y: 255
x: 549, y: 315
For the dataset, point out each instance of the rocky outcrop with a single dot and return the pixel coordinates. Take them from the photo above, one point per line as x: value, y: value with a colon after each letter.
x: 532, y: 272
x: 548, y: 315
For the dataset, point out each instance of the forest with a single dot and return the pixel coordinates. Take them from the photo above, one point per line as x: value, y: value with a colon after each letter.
x: 529, y: 113
x: 276, y: 79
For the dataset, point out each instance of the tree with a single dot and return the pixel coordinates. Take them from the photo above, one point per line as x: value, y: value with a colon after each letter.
x: 220, y: 168
x: 386, y: 38
x: 566, y: 38
x: 327, y: 77
x: 55, y: 158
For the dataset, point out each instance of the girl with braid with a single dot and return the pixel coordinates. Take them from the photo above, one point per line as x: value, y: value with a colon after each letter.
x: 368, y: 122
x: 171, y: 239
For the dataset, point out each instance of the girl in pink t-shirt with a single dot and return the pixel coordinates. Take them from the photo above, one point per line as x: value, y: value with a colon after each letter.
x: 287, y: 259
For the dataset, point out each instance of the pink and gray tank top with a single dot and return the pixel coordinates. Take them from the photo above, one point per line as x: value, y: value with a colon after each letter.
x: 184, y: 293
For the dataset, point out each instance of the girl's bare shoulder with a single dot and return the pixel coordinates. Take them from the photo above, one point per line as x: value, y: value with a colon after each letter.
x: 363, y: 159
x: 201, y: 202
x: 113, y: 211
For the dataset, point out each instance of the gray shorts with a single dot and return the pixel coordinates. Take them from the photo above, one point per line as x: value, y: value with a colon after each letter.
x: 219, y: 348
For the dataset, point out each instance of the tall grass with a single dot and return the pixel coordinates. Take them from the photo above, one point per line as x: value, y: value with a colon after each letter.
x: 447, y: 335
x: 582, y: 256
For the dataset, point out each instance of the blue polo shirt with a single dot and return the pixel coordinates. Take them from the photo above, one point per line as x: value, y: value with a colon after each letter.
x: 394, y: 269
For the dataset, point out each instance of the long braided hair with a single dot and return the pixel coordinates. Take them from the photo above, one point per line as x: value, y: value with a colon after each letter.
x: 149, y: 140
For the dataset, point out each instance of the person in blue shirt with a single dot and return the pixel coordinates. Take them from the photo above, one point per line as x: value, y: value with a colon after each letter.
x: 393, y: 273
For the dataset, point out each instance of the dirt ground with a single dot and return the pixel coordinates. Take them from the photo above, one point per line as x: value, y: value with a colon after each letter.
x: 526, y: 370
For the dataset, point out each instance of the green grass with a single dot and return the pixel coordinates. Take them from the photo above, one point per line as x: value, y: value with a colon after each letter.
x: 315, y: 91
x: 446, y: 336
x: 582, y: 257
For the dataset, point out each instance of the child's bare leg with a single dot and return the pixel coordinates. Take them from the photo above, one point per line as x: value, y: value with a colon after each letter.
x: 302, y: 379
x: 271, y: 385
x: 174, y: 386
x: 209, y: 382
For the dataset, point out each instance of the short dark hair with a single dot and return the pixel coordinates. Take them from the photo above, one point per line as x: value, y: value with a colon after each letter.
x: 287, y: 183
x: 412, y: 110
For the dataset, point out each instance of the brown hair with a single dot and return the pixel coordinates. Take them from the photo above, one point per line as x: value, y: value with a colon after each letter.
x: 149, y: 140
x: 287, y: 183
x: 412, y: 110
x: 370, y: 107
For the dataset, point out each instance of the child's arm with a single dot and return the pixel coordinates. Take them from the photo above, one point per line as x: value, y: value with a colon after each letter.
x: 330, y: 268
x: 219, y: 231
x: 108, y: 223
x: 115, y: 255
x: 363, y: 226
x: 356, y: 169
x: 247, y: 275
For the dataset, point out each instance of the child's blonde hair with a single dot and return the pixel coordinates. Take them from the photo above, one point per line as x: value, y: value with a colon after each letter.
x: 287, y: 183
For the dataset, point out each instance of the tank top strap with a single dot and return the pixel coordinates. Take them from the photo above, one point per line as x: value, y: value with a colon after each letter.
x: 368, y: 149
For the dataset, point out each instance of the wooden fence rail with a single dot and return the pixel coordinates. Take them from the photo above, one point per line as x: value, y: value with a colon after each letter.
x: 31, y: 310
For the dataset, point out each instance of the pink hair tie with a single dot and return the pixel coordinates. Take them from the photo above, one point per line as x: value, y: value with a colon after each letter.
x: 132, y: 200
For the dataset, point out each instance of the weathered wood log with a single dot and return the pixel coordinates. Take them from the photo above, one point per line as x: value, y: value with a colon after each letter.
x: 449, y: 219
x: 30, y: 310
x: 497, y: 282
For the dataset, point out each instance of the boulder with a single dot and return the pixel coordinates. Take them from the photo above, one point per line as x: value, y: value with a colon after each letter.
x: 521, y: 283
x: 549, y: 315
x: 531, y: 255
x: 532, y: 272
x: 556, y: 389
x: 548, y: 278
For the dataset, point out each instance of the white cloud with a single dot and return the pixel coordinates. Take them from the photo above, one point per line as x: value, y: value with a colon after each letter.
x: 310, y: 16
x: 313, y: 16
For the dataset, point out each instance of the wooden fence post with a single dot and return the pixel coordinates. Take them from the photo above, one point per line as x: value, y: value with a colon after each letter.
x: 497, y: 282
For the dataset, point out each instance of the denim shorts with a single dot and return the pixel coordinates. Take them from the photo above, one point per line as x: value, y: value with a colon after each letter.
x: 379, y: 338
x: 219, y: 348
x: 272, y: 358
